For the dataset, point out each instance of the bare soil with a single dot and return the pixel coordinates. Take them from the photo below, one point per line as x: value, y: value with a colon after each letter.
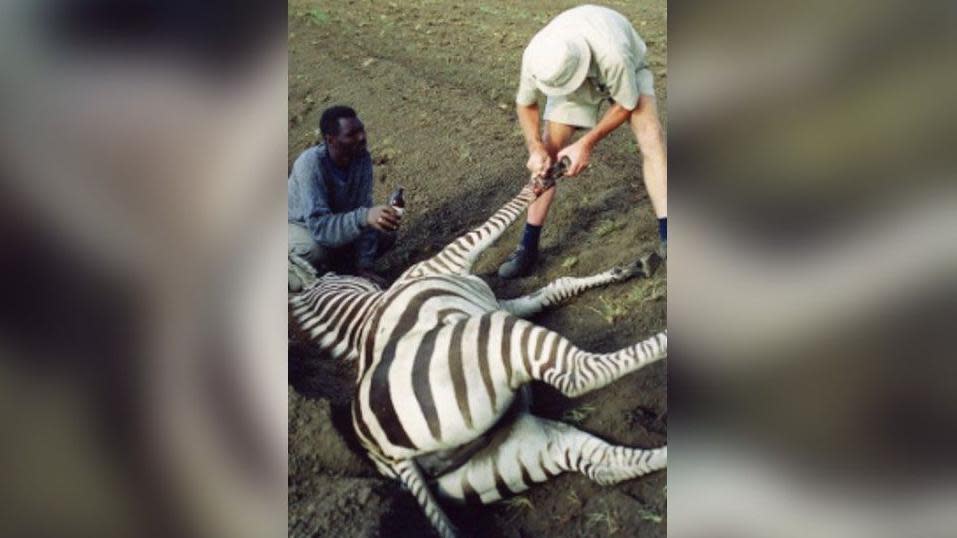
x: 434, y: 82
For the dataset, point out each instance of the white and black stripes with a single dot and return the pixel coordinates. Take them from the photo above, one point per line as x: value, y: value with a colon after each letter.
x: 441, y: 363
x: 531, y: 450
x: 459, y: 256
x: 564, y: 288
x: 332, y: 311
x: 411, y: 477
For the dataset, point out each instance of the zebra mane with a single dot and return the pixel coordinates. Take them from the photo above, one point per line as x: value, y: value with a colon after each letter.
x: 355, y: 282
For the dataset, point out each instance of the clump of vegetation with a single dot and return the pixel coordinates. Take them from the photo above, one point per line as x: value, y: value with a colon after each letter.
x: 607, y: 518
x: 317, y: 16
x: 610, y: 311
x: 569, y: 262
x: 648, y: 515
x: 606, y: 228
x: 578, y: 414
x: 517, y: 506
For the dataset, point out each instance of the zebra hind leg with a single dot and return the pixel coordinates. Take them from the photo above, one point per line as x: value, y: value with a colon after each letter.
x: 411, y: 477
x: 533, y: 450
x: 565, y: 288
x: 534, y: 353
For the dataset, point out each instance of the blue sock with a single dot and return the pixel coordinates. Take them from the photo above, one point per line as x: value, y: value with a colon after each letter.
x: 663, y: 229
x: 530, y: 239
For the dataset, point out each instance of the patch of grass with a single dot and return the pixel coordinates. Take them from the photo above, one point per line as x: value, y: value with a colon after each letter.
x: 645, y: 291
x: 517, y: 506
x: 610, y: 311
x: 519, y: 502
x: 607, y: 518
x: 648, y: 515
x: 578, y: 414
x: 569, y: 262
x: 606, y: 228
x: 317, y: 16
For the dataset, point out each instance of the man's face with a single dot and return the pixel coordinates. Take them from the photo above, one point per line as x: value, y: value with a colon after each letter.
x: 351, y: 140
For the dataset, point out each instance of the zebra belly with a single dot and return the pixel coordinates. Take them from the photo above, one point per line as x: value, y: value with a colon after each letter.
x: 511, y: 463
x: 446, y: 386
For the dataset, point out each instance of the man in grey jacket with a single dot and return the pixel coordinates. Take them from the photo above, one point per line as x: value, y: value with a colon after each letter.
x: 332, y: 222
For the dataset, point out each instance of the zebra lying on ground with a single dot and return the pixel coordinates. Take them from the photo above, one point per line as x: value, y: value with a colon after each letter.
x: 441, y: 368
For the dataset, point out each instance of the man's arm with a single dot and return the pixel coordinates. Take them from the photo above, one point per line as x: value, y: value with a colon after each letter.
x: 580, y: 151
x: 538, y: 158
x: 619, y: 75
x: 327, y: 228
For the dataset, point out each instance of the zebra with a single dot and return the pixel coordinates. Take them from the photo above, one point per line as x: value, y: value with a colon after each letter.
x: 442, y: 367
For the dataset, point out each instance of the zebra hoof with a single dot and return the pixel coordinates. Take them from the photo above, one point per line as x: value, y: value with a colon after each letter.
x: 644, y: 267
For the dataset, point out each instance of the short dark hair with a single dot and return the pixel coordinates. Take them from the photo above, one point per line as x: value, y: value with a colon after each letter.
x: 329, y: 122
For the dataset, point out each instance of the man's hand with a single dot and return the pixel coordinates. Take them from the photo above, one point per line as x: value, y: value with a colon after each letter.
x: 383, y: 218
x: 538, y: 160
x: 579, y: 153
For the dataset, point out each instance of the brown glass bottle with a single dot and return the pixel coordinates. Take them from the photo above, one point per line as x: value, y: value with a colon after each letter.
x: 397, y: 201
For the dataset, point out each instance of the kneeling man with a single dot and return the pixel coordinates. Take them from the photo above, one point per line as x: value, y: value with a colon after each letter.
x: 332, y: 222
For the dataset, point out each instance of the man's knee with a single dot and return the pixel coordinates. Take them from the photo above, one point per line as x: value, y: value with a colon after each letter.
x: 556, y: 136
x: 648, y: 132
x: 302, y: 245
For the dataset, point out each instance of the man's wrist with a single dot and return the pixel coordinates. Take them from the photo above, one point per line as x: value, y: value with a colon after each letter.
x: 363, y: 217
x: 589, y: 139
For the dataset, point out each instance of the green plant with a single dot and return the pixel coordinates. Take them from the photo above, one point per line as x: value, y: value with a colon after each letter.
x: 606, y: 228
x: 578, y: 414
x: 648, y: 515
x: 317, y: 16
x: 519, y: 502
x: 610, y: 311
x: 606, y: 517
x: 646, y: 290
x: 516, y: 506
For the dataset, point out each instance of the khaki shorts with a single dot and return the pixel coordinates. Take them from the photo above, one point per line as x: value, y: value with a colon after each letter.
x: 581, y: 110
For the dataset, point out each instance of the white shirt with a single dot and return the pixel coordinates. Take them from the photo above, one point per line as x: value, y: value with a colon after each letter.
x: 617, y: 52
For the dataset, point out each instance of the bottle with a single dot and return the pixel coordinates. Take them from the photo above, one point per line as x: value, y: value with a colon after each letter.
x: 397, y: 201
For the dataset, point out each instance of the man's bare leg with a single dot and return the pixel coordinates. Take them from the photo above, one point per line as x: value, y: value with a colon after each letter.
x: 651, y: 142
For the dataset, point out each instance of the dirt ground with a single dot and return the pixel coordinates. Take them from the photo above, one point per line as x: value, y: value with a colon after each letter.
x: 434, y: 82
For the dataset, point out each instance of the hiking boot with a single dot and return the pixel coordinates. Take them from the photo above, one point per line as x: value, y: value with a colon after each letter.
x: 518, y: 264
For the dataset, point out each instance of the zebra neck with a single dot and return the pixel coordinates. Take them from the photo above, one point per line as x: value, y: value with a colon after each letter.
x: 334, y: 320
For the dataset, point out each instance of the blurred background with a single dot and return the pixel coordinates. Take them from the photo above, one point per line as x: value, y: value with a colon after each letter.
x: 142, y: 232
x: 812, y: 269
x: 811, y: 289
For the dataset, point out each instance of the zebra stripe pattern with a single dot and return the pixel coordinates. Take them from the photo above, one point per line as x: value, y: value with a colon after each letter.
x: 441, y: 362
x: 459, y: 256
x: 532, y: 450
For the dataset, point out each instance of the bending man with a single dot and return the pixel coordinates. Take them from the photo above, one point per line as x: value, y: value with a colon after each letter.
x: 582, y: 58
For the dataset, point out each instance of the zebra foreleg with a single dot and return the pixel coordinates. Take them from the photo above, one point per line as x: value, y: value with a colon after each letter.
x: 565, y: 288
x: 459, y: 256
x: 411, y: 477
x: 533, y: 450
